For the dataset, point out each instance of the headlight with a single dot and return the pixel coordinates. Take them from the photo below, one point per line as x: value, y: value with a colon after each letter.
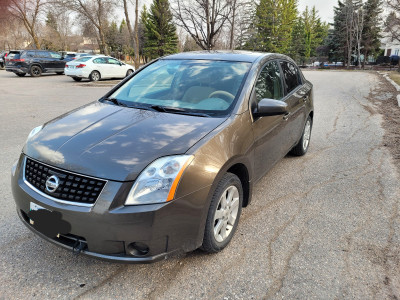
x: 157, y: 183
x: 34, y: 132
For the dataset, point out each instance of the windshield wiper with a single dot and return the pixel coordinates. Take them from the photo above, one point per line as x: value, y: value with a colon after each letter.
x: 176, y: 110
x: 115, y: 101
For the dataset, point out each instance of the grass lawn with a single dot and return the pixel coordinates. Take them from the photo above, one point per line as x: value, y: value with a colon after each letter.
x: 395, y: 76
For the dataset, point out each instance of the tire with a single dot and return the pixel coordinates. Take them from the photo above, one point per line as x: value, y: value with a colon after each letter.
x: 220, y: 220
x: 35, y: 71
x: 94, y: 76
x: 77, y: 78
x: 20, y: 74
x: 302, y: 146
x: 129, y: 72
x: 59, y: 73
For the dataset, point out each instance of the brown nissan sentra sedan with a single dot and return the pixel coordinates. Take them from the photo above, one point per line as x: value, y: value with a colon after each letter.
x: 167, y: 159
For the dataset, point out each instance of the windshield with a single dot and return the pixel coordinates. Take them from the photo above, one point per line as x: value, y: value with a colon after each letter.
x: 201, y: 86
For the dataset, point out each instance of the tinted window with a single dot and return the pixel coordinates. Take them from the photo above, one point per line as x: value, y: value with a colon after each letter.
x: 269, y: 84
x: 43, y: 54
x: 70, y: 55
x: 84, y: 58
x: 113, y: 61
x: 31, y: 53
x: 13, y: 55
x: 291, y: 74
x: 55, y: 55
x: 100, y: 60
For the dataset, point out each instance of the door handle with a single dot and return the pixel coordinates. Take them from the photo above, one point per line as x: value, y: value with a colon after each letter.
x: 286, y: 116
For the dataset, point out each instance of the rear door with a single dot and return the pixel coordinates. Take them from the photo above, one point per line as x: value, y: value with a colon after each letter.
x: 101, y: 64
x: 44, y: 59
x: 296, y: 96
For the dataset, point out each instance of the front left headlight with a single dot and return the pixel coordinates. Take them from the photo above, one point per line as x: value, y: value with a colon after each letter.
x: 158, y: 181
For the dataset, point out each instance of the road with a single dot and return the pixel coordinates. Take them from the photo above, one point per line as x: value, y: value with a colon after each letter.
x: 323, y: 226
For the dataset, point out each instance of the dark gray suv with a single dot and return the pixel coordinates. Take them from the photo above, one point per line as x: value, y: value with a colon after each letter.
x: 166, y: 160
x: 34, y: 62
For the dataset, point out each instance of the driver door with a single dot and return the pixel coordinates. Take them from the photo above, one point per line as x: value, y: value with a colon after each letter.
x: 268, y: 131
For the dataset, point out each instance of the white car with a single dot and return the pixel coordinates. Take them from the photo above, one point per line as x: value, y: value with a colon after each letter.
x: 97, y: 67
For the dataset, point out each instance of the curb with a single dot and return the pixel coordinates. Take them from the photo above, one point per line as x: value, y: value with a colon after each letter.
x: 397, y: 87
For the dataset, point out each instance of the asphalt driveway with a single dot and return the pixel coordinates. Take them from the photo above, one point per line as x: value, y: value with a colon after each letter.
x: 323, y: 226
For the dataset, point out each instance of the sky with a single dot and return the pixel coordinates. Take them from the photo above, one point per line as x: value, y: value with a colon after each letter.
x: 324, y: 7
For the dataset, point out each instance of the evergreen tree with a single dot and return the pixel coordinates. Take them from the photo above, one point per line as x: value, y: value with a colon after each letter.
x: 160, y: 30
x: 372, y: 28
x: 274, y: 23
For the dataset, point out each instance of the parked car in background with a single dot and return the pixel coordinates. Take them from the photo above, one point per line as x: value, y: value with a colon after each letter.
x: 34, y: 62
x: 3, y: 55
x: 165, y: 161
x: 68, y: 56
x: 97, y: 67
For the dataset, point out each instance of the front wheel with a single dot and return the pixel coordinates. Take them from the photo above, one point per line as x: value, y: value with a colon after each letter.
x: 223, y: 214
x: 59, y: 73
x: 302, y: 146
x: 94, y: 76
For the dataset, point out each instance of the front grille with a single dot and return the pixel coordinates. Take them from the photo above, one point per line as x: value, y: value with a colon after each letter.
x: 72, y: 187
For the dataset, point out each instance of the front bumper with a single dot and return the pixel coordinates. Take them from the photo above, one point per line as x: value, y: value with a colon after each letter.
x: 109, y: 228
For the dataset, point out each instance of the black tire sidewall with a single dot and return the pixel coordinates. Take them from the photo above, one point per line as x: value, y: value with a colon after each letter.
x: 91, y: 76
x: 34, y: 67
x: 210, y: 244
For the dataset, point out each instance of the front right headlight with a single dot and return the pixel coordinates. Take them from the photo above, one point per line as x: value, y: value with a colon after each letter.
x: 158, y: 181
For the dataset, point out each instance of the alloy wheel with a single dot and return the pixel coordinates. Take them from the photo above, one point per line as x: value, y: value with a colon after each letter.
x: 226, y: 213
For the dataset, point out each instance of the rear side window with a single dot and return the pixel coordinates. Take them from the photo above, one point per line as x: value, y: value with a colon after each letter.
x: 84, y: 58
x: 43, y: 54
x: 30, y: 54
x: 100, y: 60
x: 291, y: 75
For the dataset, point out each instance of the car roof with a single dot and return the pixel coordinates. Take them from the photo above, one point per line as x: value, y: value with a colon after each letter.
x: 234, y: 55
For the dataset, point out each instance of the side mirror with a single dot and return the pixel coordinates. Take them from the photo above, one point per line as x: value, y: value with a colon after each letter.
x: 270, y: 107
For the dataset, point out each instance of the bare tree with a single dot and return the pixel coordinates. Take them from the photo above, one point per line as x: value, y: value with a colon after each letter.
x: 358, y: 25
x: 28, y: 12
x: 96, y: 12
x: 202, y: 19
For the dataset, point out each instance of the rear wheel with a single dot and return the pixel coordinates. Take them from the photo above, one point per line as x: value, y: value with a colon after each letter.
x: 77, y: 78
x: 223, y: 214
x: 302, y: 146
x: 20, y: 74
x: 35, y: 71
x: 94, y: 76
x: 129, y: 72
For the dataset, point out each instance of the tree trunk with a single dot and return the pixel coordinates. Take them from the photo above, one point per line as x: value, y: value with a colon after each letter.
x: 232, y: 24
x: 128, y: 23
x: 136, y: 36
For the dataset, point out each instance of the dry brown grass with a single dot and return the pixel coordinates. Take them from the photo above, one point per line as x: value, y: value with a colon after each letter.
x: 395, y: 76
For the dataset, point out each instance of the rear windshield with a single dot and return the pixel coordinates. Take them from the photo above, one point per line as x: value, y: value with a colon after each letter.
x: 14, y: 55
x: 86, y: 58
x: 201, y: 86
x: 70, y: 55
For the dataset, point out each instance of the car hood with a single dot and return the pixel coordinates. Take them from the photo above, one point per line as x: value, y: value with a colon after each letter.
x: 114, y: 142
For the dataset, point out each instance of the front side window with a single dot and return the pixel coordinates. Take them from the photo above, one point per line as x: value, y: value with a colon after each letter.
x: 113, y: 61
x: 55, y: 55
x: 201, y: 86
x: 269, y: 83
x: 291, y: 74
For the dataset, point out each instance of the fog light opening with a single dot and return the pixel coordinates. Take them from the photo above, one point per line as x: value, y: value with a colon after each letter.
x: 138, y: 249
